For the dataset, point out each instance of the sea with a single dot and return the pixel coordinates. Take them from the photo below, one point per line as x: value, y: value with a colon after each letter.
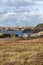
x: 18, y: 32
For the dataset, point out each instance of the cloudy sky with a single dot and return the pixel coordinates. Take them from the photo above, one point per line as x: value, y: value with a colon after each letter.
x: 18, y: 12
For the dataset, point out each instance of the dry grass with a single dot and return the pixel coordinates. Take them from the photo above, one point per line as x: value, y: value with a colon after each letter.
x: 39, y: 34
x: 21, y: 52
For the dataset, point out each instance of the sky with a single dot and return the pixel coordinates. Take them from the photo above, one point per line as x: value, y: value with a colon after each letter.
x: 18, y: 12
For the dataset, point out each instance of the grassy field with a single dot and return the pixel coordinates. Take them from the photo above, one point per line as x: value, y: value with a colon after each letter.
x: 21, y: 52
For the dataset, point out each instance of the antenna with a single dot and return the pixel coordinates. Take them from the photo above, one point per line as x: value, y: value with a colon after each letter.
x: 26, y: 24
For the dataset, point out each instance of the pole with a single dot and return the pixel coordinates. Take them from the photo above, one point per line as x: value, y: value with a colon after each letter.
x: 26, y: 24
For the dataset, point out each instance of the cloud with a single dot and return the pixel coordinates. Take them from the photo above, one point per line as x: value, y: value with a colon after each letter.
x: 13, y: 12
x: 4, y: 16
x: 20, y: 17
x: 2, y: 11
x: 17, y: 2
x: 37, y: 0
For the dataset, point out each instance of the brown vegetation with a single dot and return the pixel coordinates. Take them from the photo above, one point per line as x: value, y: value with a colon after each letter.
x: 21, y: 52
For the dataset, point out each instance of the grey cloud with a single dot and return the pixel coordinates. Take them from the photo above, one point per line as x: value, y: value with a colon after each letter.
x: 37, y: 0
x: 22, y: 17
x: 22, y: 9
x: 3, y: 11
x: 17, y: 6
x: 18, y: 3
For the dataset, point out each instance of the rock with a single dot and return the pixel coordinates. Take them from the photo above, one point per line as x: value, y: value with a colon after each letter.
x: 39, y: 34
x: 26, y: 35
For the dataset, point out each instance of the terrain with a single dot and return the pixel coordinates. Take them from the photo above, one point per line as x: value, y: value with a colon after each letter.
x: 26, y: 50
x: 38, y: 27
x: 21, y: 52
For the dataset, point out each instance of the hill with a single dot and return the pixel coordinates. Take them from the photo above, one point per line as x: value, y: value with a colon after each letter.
x: 38, y: 28
x: 40, y: 25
